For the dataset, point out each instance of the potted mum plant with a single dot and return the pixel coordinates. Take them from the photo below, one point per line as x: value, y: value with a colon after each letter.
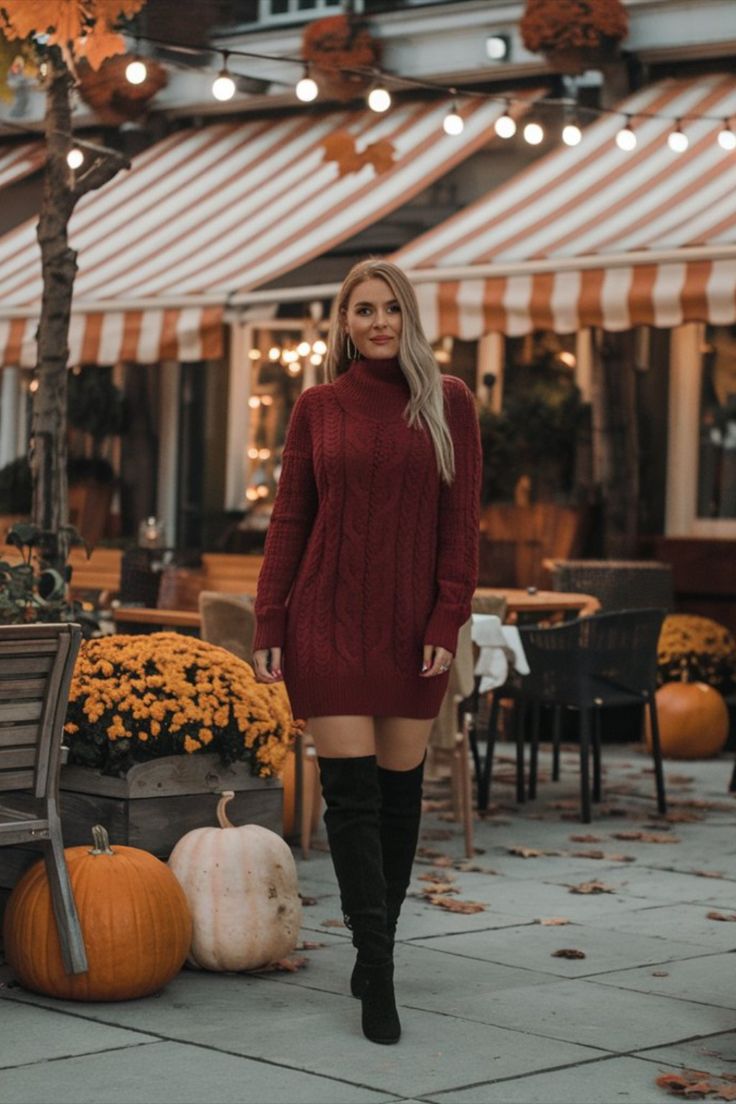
x: 157, y: 721
x: 335, y: 44
x: 574, y: 35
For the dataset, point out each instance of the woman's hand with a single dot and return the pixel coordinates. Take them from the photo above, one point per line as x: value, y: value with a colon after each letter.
x: 264, y: 671
x: 437, y: 661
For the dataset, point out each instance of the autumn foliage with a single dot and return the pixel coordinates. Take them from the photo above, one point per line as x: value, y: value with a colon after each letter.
x: 549, y: 25
x: 82, y: 29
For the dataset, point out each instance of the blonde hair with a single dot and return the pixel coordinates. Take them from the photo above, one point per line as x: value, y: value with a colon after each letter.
x: 416, y: 358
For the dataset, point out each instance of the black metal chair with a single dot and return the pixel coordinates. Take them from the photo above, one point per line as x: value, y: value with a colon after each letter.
x: 617, y: 584
x: 591, y: 664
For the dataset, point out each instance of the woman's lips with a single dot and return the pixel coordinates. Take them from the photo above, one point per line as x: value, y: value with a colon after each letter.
x: 381, y: 340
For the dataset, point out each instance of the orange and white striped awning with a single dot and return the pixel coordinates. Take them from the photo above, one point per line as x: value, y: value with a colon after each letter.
x: 20, y: 159
x: 594, y: 236
x: 210, y: 212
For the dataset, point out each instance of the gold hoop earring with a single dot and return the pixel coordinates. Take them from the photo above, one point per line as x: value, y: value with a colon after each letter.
x: 352, y: 354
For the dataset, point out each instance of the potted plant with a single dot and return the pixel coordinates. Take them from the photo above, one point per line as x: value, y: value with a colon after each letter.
x: 574, y: 35
x: 336, y: 44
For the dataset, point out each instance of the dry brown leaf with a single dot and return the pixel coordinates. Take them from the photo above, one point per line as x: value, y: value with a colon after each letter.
x: 588, y: 838
x: 308, y: 901
x: 529, y: 852
x: 568, y: 952
x: 435, y: 889
x: 680, y: 816
x: 721, y: 916
x: 660, y: 973
x: 466, y: 866
x: 552, y: 921
x: 646, y: 837
x: 451, y: 904
x: 707, y: 873
x: 592, y: 887
x: 726, y: 1092
x: 333, y: 924
x: 602, y: 855
x: 436, y: 876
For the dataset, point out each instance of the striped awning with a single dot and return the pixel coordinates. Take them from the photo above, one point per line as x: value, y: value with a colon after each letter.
x: 20, y: 159
x: 210, y: 212
x: 594, y: 236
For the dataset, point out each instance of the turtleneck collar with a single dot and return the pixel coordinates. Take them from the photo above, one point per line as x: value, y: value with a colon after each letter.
x: 373, y: 388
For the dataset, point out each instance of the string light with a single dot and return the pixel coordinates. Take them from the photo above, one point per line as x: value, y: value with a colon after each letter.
x: 135, y: 71
x: 626, y: 138
x: 677, y: 141
x: 572, y: 134
x: 306, y: 89
x: 533, y: 134
x: 505, y: 127
x: 319, y: 347
x: 453, y: 124
x: 223, y: 86
x: 379, y: 99
x: 75, y: 158
x: 726, y: 137
x: 304, y: 348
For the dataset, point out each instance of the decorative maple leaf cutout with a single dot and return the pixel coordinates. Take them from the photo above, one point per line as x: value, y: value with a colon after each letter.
x: 340, y: 147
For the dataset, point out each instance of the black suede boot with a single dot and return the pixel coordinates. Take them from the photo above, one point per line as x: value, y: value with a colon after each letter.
x: 352, y: 796
x: 401, y: 813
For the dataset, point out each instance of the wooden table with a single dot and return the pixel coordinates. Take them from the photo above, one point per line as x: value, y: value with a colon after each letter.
x: 532, y: 601
x: 519, y: 602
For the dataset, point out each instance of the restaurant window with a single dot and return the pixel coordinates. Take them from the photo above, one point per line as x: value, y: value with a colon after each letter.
x: 716, y: 489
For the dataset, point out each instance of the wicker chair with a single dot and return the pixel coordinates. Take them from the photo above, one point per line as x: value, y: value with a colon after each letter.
x: 591, y: 664
x: 617, y: 584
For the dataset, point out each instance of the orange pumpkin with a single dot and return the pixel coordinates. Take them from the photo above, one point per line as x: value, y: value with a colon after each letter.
x: 134, y: 917
x: 693, y: 720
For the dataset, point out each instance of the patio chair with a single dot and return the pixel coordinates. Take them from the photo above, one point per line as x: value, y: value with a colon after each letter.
x: 594, y: 663
x: 617, y: 584
x: 36, y: 665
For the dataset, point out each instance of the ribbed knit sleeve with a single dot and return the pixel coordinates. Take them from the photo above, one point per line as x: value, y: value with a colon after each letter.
x: 291, y: 522
x: 458, y: 523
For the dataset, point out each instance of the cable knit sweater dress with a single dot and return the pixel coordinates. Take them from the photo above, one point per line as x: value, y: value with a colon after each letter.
x: 368, y: 555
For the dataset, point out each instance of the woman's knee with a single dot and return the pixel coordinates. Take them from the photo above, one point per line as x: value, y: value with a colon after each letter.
x: 342, y: 737
x: 401, y: 742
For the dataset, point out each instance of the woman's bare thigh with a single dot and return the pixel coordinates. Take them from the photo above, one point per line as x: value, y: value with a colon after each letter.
x: 401, y: 741
x: 338, y: 737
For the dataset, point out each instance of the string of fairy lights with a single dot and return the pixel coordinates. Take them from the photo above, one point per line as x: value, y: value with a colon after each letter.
x: 379, y: 100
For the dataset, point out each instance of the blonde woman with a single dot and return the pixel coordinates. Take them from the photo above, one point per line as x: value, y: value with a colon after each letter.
x: 370, y: 564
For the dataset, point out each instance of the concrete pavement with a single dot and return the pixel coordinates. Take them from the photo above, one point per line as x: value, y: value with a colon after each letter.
x: 490, y: 1013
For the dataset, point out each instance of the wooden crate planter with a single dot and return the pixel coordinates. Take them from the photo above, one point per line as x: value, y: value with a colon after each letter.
x: 153, y: 805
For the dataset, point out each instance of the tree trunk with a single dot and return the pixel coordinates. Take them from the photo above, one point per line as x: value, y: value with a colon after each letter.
x: 616, y: 440
x: 50, y: 509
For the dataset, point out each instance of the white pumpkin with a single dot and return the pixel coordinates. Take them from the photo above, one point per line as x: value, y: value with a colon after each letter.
x: 242, y: 890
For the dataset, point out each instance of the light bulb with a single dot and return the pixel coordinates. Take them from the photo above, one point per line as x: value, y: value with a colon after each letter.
x: 677, y: 141
x: 727, y: 138
x: 254, y: 354
x: 74, y: 158
x: 626, y: 139
x: 223, y: 87
x: 505, y: 126
x: 379, y: 100
x: 254, y: 402
x: 319, y: 347
x: 533, y: 134
x: 306, y: 90
x: 571, y: 134
x: 136, y: 72
x: 274, y: 353
x: 453, y: 124
x: 315, y: 359
x: 304, y: 348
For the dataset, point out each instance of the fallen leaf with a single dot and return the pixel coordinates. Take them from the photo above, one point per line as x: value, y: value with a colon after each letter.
x: 660, y: 973
x: 592, y: 887
x: 438, y: 834
x: 436, y: 876
x: 679, y: 779
x: 284, y: 965
x: 602, y: 855
x: 721, y: 916
x: 529, y: 852
x: 646, y: 837
x: 451, y: 904
x: 707, y: 873
x: 308, y: 901
x: 552, y: 921
x: 333, y: 924
x: 568, y: 952
x: 589, y: 838
x: 680, y: 816
x: 435, y: 889
x: 468, y: 867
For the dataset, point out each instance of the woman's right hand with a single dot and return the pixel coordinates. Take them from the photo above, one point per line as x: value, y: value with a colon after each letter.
x: 261, y: 668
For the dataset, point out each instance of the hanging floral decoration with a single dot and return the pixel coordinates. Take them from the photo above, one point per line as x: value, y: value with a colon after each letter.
x: 336, y: 44
x: 111, y: 95
x: 574, y: 34
x: 135, y: 698
x: 341, y: 148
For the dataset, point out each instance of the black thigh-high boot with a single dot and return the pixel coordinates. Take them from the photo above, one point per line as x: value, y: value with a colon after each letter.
x: 401, y: 813
x: 353, y: 798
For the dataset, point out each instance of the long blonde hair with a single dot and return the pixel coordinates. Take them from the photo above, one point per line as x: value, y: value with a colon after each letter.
x: 415, y: 356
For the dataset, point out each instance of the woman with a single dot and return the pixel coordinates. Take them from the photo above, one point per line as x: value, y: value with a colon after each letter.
x: 369, y: 567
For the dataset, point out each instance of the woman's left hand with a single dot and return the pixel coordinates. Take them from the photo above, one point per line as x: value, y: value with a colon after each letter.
x: 437, y: 661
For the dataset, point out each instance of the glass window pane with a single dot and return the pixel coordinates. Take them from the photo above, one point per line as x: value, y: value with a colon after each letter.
x: 717, y: 449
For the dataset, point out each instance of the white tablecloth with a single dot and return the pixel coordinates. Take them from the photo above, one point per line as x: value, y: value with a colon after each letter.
x: 499, y: 645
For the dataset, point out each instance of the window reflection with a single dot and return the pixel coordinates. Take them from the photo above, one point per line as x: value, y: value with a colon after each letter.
x: 717, y: 449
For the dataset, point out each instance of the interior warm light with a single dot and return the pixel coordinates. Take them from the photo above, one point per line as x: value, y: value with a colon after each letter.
x: 253, y: 453
x: 266, y: 400
x: 254, y: 354
x: 254, y: 402
x: 252, y: 494
x: 264, y: 453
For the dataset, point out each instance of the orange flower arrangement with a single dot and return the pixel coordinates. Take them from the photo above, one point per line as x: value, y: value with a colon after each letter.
x: 335, y: 44
x: 551, y: 25
x: 135, y: 698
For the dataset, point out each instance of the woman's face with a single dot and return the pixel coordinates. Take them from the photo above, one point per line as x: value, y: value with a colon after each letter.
x: 373, y: 320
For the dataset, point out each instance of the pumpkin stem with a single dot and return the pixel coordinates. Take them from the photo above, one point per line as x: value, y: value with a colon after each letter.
x: 101, y: 841
x: 222, y: 818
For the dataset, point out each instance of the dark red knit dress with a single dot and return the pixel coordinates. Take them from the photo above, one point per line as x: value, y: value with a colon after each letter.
x: 368, y: 556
